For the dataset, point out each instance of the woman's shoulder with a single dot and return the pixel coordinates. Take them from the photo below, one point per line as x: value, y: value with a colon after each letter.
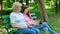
x: 11, y: 14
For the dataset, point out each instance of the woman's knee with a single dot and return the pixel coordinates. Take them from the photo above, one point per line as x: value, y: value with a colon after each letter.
x: 36, y: 30
x: 33, y: 32
x: 44, y: 23
x: 45, y: 29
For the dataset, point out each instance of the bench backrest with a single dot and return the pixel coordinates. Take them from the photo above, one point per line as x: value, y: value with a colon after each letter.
x: 6, y: 20
x: 33, y: 16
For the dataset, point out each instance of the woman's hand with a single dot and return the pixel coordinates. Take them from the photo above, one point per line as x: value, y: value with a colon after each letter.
x: 36, y: 24
x: 30, y: 26
x: 18, y: 27
x: 22, y: 27
x: 40, y: 21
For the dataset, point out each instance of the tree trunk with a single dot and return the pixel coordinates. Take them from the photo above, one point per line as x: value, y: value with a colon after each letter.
x: 13, y: 0
x: 0, y: 6
x: 57, y: 6
x: 21, y: 1
x: 27, y: 2
x: 42, y: 11
x: 0, y: 1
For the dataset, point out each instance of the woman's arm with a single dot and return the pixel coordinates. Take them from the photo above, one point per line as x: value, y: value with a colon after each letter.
x: 30, y: 25
x: 36, y: 23
x: 18, y: 27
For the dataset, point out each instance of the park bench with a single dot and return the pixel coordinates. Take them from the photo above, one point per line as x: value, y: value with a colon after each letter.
x: 6, y: 22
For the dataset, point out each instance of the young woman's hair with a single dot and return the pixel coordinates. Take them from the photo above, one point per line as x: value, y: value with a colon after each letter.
x: 23, y: 9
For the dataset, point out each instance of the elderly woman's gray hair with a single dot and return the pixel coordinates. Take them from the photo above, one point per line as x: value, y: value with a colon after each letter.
x: 16, y: 6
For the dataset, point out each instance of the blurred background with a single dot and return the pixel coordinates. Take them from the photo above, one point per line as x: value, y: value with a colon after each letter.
x: 47, y: 10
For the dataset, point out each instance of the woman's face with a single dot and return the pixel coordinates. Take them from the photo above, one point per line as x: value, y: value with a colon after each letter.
x: 19, y: 8
x: 26, y: 10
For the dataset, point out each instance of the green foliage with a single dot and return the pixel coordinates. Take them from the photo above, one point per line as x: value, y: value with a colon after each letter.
x: 50, y: 4
x: 6, y: 12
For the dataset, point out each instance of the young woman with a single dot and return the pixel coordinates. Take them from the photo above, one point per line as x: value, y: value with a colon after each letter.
x: 40, y: 25
x: 17, y: 20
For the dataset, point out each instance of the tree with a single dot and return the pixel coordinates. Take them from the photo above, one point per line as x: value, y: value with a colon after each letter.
x: 9, y: 3
x: 27, y: 2
x: 0, y: 6
x: 21, y: 1
x: 42, y: 11
x: 57, y: 6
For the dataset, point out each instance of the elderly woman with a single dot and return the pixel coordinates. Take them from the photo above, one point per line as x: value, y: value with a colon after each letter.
x: 17, y: 20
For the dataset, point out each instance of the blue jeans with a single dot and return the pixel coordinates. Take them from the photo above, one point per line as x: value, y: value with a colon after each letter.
x: 45, y: 27
x: 29, y: 31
